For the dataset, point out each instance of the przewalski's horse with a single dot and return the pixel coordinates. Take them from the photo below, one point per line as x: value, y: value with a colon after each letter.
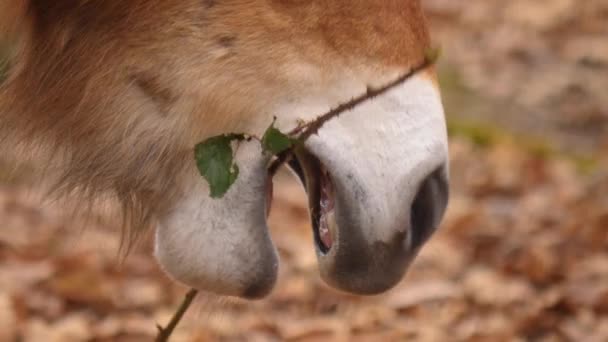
x: 110, y: 96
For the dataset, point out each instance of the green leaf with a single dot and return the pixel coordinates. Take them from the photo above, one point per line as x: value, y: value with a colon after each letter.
x: 432, y: 54
x: 215, y: 162
x: 275, y: 141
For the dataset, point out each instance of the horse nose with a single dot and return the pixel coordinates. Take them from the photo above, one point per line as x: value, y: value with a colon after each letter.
x: 428, y: 207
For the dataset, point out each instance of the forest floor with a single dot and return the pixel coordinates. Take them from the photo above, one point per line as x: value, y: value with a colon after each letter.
x: 522, y: 254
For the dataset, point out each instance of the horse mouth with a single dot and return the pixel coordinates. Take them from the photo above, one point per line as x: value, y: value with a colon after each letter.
x: 321, y: 198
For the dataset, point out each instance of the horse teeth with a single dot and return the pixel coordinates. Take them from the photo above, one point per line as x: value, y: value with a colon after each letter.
x: 325, y: 233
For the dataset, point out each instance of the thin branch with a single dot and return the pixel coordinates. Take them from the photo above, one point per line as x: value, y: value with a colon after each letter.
x: 313, y: 127
x: 165, y: 333
x: 308, y: 129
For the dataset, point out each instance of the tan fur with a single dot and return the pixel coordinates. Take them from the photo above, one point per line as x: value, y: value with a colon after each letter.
x: 109, y: 96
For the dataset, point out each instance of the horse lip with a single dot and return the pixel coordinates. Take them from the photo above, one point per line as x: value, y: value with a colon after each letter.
x: 350, y: 265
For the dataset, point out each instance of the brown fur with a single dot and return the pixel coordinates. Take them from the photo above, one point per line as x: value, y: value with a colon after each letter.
x: 109, y: 96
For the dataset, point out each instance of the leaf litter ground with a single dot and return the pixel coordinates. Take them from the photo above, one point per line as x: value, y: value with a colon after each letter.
x: 522, y: 254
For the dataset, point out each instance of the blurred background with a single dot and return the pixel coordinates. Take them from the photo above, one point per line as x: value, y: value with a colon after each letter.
x: 522, y: 254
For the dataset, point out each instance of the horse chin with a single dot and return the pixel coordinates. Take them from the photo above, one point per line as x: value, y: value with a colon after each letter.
x: 223, y: 245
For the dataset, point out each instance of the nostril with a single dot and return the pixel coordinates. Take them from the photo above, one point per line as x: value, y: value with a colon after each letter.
x: 428, y: 207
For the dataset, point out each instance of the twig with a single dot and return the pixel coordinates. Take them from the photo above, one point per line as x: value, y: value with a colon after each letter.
x: 313, y: 127
x: 308, y: 129
x: 165, y: 333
